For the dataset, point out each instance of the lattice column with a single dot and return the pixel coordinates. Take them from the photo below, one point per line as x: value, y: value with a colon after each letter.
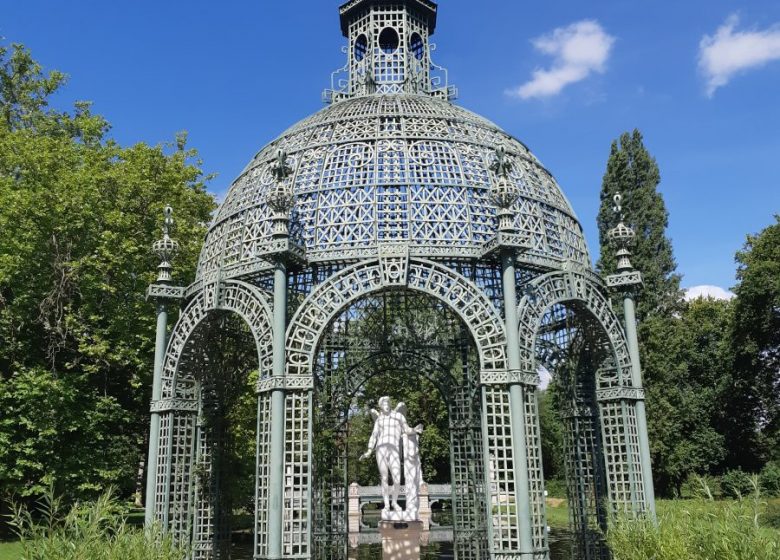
x: 520, y: 397
x: 176, y: 454
x: 281, y: 200
x: 296, y: 503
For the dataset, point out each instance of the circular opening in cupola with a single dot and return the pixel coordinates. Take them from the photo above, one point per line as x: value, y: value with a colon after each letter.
x: 388, y: 40
x: 361, y: 47
x: 416, y: 46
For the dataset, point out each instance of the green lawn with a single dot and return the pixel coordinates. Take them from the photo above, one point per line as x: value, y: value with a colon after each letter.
x: 10, y: 550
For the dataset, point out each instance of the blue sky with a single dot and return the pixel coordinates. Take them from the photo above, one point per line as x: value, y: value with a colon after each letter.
x: 699, y: 78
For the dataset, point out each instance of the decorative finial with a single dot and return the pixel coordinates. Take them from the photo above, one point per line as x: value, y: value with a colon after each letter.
x: 618, y: 208
x: 166, y: 248
x: 280, y: 197
x: 622, y: 235
x: 504, y: 191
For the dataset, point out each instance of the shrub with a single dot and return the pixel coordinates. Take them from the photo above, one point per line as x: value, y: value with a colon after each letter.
x: 700, y: 486
x: 94, y: 531
x: 736, y: 484
x: 556, y: 488
x: 770, y: 479
x: 771, y: 517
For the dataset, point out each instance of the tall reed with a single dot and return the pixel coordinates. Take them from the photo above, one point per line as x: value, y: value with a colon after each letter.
x: 700, y: 529
x: 91, y: 531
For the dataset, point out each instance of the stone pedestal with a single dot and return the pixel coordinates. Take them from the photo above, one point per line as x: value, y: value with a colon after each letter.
x: 353, y: 508
x: 400, y: 539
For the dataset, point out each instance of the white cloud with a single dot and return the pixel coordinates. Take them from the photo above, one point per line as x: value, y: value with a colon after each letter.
x: 729, y: 52
x: 707, y: 291
x: 579, y: 50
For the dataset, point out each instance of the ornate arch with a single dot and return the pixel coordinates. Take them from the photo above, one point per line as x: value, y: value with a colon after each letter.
x: 394, y: 270
x: 239, y: 297
x: 603, y: 443
x: 569, y: 287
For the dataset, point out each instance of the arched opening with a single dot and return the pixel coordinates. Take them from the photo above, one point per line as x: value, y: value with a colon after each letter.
x: 389, y: 40
x: 570, y: 348
x: 361, y: 47
x: 212, y: 481
x: 417, y: 46
x: 415, y: 349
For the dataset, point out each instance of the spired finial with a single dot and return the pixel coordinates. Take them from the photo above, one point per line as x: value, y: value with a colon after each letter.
x: 504, y: 191
x: 622, y: 235
x: 280, y: 197
x: 618, y: 208
x: 166, y: 248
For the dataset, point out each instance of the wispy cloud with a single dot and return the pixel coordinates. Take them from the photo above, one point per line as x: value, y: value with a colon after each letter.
x: 729, y: 52
x: 579, y: 50
x: 706, y: 291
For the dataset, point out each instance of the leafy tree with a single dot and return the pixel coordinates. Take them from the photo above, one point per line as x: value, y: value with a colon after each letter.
x: 752, y: 414
x: 685, y: 410
x: 79, y: 214
x: 551, y: 430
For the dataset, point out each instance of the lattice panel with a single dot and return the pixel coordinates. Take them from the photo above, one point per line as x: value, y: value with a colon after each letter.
x: 468, y: 473
x: 618, y: 456
x: 296, y: 506
x: 179, y: 481
x: 204, y: 515
x: 535, y: 473
x: 262, y: 473
x: 497, y: 436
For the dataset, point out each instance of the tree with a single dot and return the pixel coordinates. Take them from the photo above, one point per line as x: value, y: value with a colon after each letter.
x: 752, y: 414
x: 79, y: 214
x: 685, y: 408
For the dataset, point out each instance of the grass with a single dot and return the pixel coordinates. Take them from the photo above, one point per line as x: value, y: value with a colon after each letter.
x: 10, y: 550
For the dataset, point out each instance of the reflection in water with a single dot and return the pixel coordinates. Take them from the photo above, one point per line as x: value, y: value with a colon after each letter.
x: 560, y: 543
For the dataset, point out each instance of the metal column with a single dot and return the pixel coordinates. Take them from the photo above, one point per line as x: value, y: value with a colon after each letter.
x: 276, y: 467
x: 641, y: 418
x: 517, y: 404
x: 154, y: 430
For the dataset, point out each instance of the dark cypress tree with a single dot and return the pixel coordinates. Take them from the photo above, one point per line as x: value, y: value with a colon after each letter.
x: 633, y: 172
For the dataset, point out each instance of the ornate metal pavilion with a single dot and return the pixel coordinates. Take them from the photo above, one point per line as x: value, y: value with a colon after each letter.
x: 395, y: 233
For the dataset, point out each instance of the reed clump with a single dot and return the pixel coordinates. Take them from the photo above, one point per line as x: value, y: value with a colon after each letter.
x: 87, y: 531
x: 699, y: 529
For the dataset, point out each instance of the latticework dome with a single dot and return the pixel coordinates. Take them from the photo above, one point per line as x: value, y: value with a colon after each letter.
x: 392, y: 168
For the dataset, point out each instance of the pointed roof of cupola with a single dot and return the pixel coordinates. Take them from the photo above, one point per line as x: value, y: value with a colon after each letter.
x: 425, y: 9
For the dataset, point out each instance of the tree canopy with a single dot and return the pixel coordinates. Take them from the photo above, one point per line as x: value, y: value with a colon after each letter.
x: 79, y: 213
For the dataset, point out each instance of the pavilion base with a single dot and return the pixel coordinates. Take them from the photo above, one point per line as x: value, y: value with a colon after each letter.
x: 401, y: 539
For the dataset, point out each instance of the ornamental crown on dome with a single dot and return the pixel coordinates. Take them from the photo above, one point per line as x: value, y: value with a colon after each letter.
x: 389, y: 50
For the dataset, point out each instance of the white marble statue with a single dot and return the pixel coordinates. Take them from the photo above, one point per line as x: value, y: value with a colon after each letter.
x: 390, y: 428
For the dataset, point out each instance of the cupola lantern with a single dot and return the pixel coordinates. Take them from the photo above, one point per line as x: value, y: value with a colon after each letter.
x: 389, y: 50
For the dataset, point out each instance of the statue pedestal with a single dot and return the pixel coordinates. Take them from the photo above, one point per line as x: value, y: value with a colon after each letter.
x: 400, y: 539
